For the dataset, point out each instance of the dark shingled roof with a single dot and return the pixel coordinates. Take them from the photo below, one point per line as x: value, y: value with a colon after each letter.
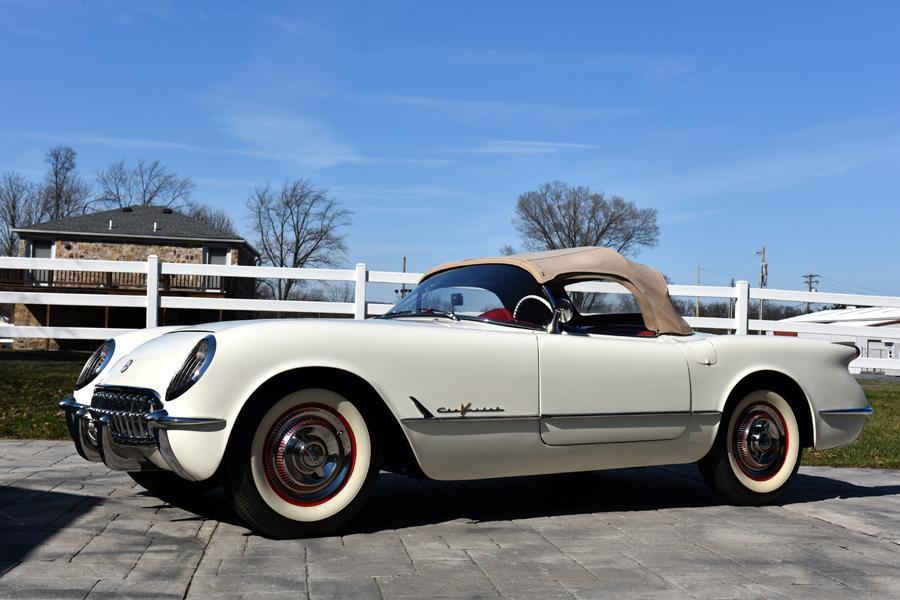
x: 136, y: 222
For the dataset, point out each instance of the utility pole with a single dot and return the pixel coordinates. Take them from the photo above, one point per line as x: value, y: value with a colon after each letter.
x: 731, y: 302
x: 763, y: 277
x: 811, y: 281
x: 403, y: 291
x: 697, y: 299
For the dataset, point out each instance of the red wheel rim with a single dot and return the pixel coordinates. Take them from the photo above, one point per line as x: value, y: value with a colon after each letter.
x: 309, y: 454
x: 760, y: 441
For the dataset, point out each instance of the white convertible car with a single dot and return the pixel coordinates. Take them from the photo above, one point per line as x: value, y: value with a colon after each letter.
x: 489, y: 368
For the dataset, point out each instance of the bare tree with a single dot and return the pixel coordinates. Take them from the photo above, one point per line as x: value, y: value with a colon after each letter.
x: 214, y: 217
x: 558, y: 216
x: 64, y: 192
x: 146, y: 183
x: 19, y: 205
x: 338, y: 291
x: 297, y: 226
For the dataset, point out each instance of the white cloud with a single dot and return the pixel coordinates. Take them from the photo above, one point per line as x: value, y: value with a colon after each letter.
x: 472, y: 111
x: 775, y: 169
x: 294, y: 27
x: 76, y: 139
x: 286, y: 136
x: 650, y: 68
x: 290, y: 137
x: 519, y: 147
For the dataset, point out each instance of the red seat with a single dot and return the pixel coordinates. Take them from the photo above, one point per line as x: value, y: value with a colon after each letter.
x: 497, y: 314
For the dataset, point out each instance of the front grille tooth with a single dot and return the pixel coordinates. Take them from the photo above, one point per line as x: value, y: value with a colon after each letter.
x: 126, y: 409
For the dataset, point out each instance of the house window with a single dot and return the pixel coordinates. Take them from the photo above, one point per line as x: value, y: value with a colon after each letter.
x: 40, y: 249
x: 215, y: 256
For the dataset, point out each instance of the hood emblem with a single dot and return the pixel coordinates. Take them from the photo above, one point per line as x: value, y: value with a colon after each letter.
x: 126, y: 365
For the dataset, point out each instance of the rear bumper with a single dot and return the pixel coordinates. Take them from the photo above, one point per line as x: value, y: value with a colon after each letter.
x: 92, y: 430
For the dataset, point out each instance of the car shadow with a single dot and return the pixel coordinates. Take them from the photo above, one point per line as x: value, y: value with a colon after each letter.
x: 29, y: 518
x: 399, y: 502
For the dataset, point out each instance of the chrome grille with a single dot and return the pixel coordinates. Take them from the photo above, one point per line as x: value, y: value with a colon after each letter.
x: 126, y: 409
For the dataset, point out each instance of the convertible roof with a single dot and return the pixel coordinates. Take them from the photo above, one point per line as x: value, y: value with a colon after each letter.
x: 582, y: 264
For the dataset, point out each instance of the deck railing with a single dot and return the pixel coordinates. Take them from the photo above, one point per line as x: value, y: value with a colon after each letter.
x: 159, y: 282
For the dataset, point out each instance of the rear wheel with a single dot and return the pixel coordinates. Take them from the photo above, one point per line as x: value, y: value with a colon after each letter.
x: 166, y: 484
x: 303, y: 465
x: 757, y: 450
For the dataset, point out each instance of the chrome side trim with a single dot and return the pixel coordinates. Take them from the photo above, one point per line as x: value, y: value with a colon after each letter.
x: 160, y: 419
x: 671, y: 413
x: 865, y: 411
x: 465, y: 419
x: 675, y: 413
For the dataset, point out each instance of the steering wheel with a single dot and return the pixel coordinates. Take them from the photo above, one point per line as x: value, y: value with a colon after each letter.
x: 532, y: 298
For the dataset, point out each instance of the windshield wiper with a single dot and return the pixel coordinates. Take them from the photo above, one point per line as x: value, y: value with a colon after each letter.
x: 425, y: 312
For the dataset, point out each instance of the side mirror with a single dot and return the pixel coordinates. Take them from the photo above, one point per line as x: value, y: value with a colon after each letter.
x: 562, y: 314
x: 456, y: 299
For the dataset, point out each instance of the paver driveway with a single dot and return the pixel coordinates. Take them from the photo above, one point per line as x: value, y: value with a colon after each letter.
x: 72, y: 529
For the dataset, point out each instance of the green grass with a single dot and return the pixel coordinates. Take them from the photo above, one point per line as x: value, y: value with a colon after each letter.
x: 32, y: 382
x: 879, y: 444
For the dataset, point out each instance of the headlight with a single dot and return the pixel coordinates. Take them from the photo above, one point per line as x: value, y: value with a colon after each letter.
x: 193, y: 368
x: 96, y: 363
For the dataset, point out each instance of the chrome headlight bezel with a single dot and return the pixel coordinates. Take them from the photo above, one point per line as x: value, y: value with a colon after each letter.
x: 95, y: 365
x: 193, y: 367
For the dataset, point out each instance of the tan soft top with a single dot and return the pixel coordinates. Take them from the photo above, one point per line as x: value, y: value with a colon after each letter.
x: 582, y: 264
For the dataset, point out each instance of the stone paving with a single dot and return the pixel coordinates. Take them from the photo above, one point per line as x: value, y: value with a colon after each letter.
x: 72, y: 529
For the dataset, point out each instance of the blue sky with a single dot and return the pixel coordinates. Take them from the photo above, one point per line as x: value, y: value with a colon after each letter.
x: 773, y: 124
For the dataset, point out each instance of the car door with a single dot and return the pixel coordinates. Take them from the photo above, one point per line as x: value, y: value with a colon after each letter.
x: 598, y: 389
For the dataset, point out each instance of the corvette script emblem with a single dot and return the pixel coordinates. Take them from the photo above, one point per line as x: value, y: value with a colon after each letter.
x: 126, y: 365
x: 466, y: 408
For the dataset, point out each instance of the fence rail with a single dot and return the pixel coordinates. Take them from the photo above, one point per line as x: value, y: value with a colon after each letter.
x: 158, y: 294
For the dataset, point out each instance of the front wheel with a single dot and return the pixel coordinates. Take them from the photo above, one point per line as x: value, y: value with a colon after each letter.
x: 302, y: 466
x: 757, y: 451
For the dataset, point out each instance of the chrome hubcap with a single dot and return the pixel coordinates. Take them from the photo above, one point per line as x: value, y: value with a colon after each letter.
x: 308, y: 454
x: 760, y: 441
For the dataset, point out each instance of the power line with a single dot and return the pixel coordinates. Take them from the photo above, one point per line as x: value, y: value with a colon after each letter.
x: 851, y: 286
x: 812, y: 280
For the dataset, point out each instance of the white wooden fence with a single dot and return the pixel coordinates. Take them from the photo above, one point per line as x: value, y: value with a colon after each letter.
x: 361, y: 307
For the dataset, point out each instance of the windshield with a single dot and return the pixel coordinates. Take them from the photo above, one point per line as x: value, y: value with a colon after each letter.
x: 490, y: 292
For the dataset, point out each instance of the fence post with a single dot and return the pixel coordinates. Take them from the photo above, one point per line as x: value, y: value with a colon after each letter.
x: 153, y: 275
x: 359, y: 311
x: 742, y: 308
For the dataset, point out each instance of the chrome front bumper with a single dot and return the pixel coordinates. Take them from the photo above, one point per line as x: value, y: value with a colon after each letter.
x: 124, y: 440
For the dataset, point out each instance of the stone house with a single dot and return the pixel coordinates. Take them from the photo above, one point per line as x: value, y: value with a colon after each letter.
x: 131, y: 233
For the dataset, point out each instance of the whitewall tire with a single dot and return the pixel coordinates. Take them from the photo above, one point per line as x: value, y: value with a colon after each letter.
x: 757, y: 450
x: 303, y: 464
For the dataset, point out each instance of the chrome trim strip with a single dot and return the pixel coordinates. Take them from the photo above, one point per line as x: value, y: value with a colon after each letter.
x: 865, y: 411
x: 465, y: 419
x: 160, y: 419
x: 672, y: 413
x: 686, y: 413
